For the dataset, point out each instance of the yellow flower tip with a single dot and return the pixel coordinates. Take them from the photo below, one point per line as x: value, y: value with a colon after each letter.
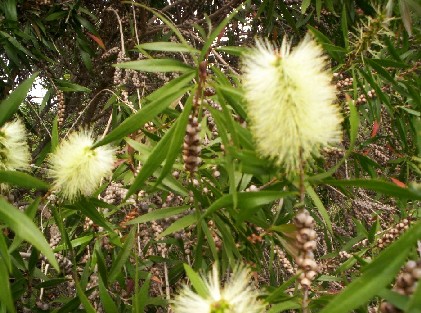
x: 290, y: 101
x: 76, y: 168
x: 237, y: 296
x: 14, y: 150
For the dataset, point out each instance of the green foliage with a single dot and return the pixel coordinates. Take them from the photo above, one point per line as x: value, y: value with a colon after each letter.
x: 153, y: 225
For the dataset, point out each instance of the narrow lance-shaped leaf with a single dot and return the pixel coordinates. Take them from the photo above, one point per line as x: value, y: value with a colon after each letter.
x: 167, y: 46
x: 26, y: 229
x: 177, y: 140
x: 122, y: 256
x: 217, y: 31
x: 377, y: 275
x: 22, y: 180
x: 11, y: 104
x: 354, y: 122
x: 6, y: 295
x: 136, y: 121
x: 318, y: 203
x: 84, y: 299
x: 196, y: 281
x: 378, y: 186
x: 156, y: 65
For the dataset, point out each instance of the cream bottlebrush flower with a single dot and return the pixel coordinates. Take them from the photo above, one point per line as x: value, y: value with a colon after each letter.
x: 237, y: 296
x: 14, y: 150
x: 290, y: 101
x: 76, y: 168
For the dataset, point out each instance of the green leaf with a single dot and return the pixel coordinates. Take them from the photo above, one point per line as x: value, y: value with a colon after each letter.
x: 17, y: 44
x: 54, y: 134
x: 10, y: 105
x: 30, y: 211
x: 234, y: 50
x: 179, y: 224
x: 284, y: 305
x: 398, y: 300
x: 354, y: 122
x: 171, y: 87
x: 75, y: 242
x: 6, y: 294
x: 304, y: 6
x: 22, y: 180
x: 196, y: 281
x: 4, y: 253
x: 83, y: 298
x: 177, y: 140
x: 138, y: 120
x: 154, y: 160
x: 318, y: 203
x: 142, y: 296
x: 55, y: 16
x: 344, y: 25
x: 158, y: 214
x: 410, y: 111
x: 106, y: 300
x: 234, y: 97
x: 122, y: 256
x: 156, y: 65
x: 68, y: 86
x: 23, y: 227
x: 215, y: 33
x: 334, y: 51
x: 9, y: 9
x: 167, y: 46
x: 376, y: 275
x: 247, y: 202
x: 89, y: 209
x: 378, y: 186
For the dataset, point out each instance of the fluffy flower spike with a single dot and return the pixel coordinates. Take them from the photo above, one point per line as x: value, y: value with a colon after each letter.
x: 76, y: 168
x: 14, y: 150
x: 290, y: 101
x: 237, y: 296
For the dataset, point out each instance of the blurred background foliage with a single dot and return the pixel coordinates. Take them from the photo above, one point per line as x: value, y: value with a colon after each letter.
x: 134, y: 71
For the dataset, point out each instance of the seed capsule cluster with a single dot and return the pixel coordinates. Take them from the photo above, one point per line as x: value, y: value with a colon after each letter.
x: 43, y: 2
x: 393, y: 233
x: 286, y: 264
x: 55, y: 236
x: 291, y: 2
x: 61, y: 107
x: 305, y: 241
x: 115, y: 193
x: 191, y: 147
x: 406, y: 284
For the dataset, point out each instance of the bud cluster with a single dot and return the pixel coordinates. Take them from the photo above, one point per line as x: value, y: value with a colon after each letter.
x: 305, y: 243
x: 362, y: 98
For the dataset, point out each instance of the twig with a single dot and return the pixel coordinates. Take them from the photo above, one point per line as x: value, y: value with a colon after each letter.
x: 221, y: 59
x: 123, y: 50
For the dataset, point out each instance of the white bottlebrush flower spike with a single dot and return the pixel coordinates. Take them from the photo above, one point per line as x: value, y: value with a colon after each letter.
x: 237, y: 295
x: 290, y: 101
x: 76, y: 168
x: 14, y: 150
